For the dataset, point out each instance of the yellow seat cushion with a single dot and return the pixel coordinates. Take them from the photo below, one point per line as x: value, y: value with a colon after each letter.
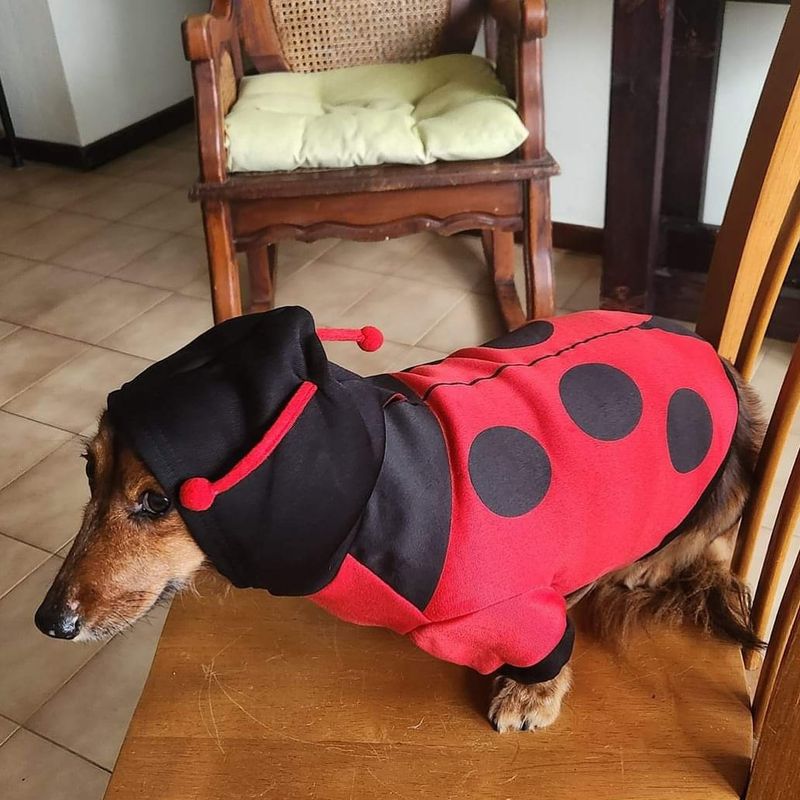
x: 449, y: 108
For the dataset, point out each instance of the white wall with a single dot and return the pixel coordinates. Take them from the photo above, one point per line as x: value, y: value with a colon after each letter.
x: 123, y: 59
x: 75, y: 71
x: 749, y: 35
x: 33, y: 77
x: 577, y: 83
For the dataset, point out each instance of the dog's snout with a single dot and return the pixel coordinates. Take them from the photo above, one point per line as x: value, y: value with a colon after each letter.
x: 54, y: 619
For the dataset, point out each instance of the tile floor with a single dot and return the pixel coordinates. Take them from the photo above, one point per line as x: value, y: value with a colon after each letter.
x: 100, y: 274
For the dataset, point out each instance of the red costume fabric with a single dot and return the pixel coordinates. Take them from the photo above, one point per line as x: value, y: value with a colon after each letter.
x: 575, y: 446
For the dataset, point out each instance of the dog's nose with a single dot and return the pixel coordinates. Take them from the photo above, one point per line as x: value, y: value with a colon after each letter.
x: 57, y: 621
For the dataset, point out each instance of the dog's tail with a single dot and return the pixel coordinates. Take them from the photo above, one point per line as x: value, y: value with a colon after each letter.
x: 705, y: 593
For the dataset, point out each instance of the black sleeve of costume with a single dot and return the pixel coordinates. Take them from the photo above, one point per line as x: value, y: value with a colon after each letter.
x: 549, y: 667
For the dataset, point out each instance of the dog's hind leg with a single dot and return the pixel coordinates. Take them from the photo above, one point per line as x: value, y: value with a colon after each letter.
x: 689, y: 577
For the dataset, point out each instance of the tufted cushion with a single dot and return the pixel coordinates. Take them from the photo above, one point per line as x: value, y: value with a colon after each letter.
x: 449, y: 108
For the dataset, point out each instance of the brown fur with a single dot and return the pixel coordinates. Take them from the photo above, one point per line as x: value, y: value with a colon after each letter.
x: 121, y: 565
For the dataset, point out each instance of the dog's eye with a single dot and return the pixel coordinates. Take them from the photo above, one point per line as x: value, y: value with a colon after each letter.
x: 153, y: 503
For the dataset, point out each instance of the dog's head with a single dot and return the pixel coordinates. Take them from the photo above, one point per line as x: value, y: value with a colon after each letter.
x: 132, y: 550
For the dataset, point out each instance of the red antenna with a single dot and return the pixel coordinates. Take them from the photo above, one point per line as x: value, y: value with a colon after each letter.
x: 197, y: 494
x: 367, y: 338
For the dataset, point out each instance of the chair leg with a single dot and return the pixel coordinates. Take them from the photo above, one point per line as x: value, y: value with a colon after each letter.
x: 488, y: 248
x: 223, y: 270
x: 261, y: 263
x: 537, y: 251
x: 499, y: 249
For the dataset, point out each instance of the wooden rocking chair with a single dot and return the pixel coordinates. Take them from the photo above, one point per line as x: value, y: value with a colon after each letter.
x: 251, y: 212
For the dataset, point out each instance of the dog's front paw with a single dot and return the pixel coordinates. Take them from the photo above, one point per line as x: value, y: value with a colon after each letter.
x: 526, y: 707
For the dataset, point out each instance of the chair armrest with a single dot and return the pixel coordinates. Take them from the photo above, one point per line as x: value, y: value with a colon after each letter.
x: 203, y: 34
x: 524, y: 22
x: 211, y: 43
x: 527, y: 19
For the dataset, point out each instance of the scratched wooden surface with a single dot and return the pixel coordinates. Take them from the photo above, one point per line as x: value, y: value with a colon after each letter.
x: 257, y: 697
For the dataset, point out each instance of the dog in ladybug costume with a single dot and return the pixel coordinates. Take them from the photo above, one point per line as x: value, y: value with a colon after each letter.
x: 458, y: 503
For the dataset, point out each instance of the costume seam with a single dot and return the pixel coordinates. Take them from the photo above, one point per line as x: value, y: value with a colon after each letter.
x: 533, y: 363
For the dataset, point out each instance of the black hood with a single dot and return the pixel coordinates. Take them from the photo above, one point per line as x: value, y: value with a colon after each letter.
x: 287, y: 526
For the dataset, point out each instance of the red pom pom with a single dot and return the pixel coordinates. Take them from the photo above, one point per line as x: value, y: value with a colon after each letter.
x: 371, y: 339
x: 197, y: 494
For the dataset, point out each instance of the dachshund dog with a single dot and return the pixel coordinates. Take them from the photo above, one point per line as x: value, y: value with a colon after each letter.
x: 146, y: 531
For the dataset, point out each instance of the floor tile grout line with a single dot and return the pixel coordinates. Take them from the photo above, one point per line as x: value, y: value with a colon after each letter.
x: 22, y: 541
x: 88, y: 345
x: 130, y: 322
x: 449, y: 311
x: 40, y: 422
x: 68, y: 210
x: 376, y: 287
x: 403, y: 277
x: 55, y: 369
x: 101, y: 275
x: 14, y: 329
x: 127, y: 263
x: 303, y: 266
x: 102, y: 644
x: 64, y: 747
x: 35, y: 546
x: 65, y: 207
x: 121, y: 220
x: 414, y: 255
x: 361, y: 297
x: 15, y: 727
x: 173, y: 234
x: 49, y: 453
x: 61, y: 366
x: 27, y: 575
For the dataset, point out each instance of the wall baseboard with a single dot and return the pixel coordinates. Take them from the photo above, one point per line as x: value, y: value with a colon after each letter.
x: 684, y: 257
x: 109, y: 147
x: 679, y: 293
x: 580, y: 238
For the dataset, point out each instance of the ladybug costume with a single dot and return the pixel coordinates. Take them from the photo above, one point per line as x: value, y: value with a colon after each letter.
x: 457, y: 502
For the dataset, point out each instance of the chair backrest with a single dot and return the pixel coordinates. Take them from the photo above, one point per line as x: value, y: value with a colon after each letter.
x: 318, y: 35
x: 758, y: 238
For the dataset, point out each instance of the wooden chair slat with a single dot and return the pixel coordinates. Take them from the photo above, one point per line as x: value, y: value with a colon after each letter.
x: 780, y: 658
x: 777, y: 433
x: 753, y: 219
x: 777, y: 553
x: 778, y: 266
x: 775, y: 775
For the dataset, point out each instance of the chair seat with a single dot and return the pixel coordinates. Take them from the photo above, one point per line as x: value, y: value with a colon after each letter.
x: 448, y: 108
x: 252, y: 696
